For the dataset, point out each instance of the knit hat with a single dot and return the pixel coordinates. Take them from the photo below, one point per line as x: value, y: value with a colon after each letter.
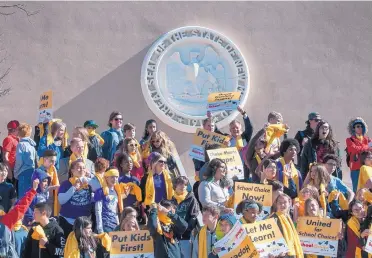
x: 314, y: 115
x: 229, y: 218
x: 13, y: 124
x: 112, y: 172
x: 90, y: 123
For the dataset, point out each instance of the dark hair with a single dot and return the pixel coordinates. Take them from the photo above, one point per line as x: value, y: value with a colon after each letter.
x: 364, y: 155
x: 267, y: 162
x: 207, y: 146
x: 3, y: 167
x: 120, y: 158
x: 213, y: 165
x: 332, y: 157
x: 101, y: 164
x: 288, y: 143
x: 213, y: 209
x: 43, y: 207
x: 72, y: 166
x: 332, y: 143
x: 85, y: 242
x: 49, y: 153
x: 368, y: 220
x: 180, y: 180
x: 124, y: 146
x: 277, y: 185
x: 282, y: 195
x: 128, y: 126
x: 167, y: 204
x: 146, y: 133
x: 240, y: 208
x: 112, y: 116
x: 352, y: 203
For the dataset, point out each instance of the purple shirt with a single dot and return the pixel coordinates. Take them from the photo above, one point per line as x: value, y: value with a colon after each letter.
x: 159, y: 185
x: 131, y: 199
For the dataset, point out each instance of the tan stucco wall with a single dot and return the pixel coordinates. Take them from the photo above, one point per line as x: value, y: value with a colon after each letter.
x: 302, y: 56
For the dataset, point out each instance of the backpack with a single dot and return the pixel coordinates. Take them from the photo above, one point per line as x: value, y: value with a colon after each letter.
x: 348, y: 155
x: 7, y: 244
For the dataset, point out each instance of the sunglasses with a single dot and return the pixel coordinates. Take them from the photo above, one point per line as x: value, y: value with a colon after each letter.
x: 358, y: 126
x: 316, y: 120
x: 162, y: 161
x: 118, y: 119
x: 133, y: 145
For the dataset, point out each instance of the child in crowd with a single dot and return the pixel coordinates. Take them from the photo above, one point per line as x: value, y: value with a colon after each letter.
x: 130, y: 147
x: 94, y: 138
x: 250, y: 210
x: 8, y: 193
x: 100, y: 167
x: 299, y: 206
x: 46, y: 238
x: 365, y: 173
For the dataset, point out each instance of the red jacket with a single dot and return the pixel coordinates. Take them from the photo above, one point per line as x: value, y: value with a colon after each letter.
x: 17, y: 213
x: 354, y: 148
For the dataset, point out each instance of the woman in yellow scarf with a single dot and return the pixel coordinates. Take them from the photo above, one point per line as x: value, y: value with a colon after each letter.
x: 82, y: 242
x: 282, y: 206
x: 131, y: 148
x: 89, y: 151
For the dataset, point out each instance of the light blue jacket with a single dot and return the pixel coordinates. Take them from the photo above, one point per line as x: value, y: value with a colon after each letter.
x: 112, y: 138
x: 26, y: 156
x: 43, y: 147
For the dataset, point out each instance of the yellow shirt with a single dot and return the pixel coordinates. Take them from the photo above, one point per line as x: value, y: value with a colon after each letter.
x: 364, y: 175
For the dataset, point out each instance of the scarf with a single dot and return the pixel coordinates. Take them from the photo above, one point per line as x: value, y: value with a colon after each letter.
x: 323, y: 199
x: 72, y: 246
x: 92, y: 132
x: 294, y: 174
x: 239, y: 144
x: 341, y: 199
x: 290, y: 235
x: 38, y: 234
x: 243, y: 221
x: 50, y: 139
x: 73, y: 181
x: 74, y: 158
x: 354, y: 224
x: 258, y: 159
x: 272, y: 133
x: 180, y: 198
x: 102, y: 183
x: 202, y: 252
x: 150, y: 189
x: 301, y: 206
x: 136, y: 190
x: 52, y: 172
x: 165, y: 227
x: 135, y: 158
x: 19, y: 225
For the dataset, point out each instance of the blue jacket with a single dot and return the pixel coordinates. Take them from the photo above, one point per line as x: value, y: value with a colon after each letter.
x: 41, y: 196
x: 112, y: 137
x: 43, y: 147
x: 26, y: 156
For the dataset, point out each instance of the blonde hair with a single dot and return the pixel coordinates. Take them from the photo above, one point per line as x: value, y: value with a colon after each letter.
x: 312, y: 189
x: 165, y: 147
x: 307, y: 202
x: 321, y: 177
x: 24, y: 130
x: 82, y: 133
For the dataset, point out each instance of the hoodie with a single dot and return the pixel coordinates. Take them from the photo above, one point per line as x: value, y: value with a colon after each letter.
x: 188, y: 209
x: 41, y: 196
x: 53, y: 248
x: 25, y: 156
x: 355, y: 146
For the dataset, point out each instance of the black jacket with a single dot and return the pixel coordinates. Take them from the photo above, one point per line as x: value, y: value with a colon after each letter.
x: 188, y: 209
x: 54, y: 246
x: 300, y: 136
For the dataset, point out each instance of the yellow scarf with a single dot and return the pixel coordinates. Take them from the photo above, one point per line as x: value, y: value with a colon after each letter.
x: 273, y: 132
x: 146, y: 150
x: 38, y: 234
x: 294, y: 174
x: 92, y: 132
x: 74, y: 158
x: 290, y: 235
x: 258, y: 159
x: 180, y: 197
x: 164, y: 219
x: 102, y: 182
x: 202, y: 252
x: 150, y: 189
x: 50, y: 139
x: 73, y: 181
x: 52, y: 172
x: 19, y: 225
x: 72, y: 247
x: 343, y: 203
x: 136, y: 190
x: 359, y: 137
x: 243, y: 221
x: 136, y: 159
x: 323, y: 199
x: 301, y: 206
x: 239, y: 144
x: 354, y: 224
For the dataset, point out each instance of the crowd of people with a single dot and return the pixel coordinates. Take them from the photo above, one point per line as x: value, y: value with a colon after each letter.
x: 60, y: 196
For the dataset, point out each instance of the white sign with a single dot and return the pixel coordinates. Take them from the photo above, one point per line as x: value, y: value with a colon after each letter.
x: 183, y: 67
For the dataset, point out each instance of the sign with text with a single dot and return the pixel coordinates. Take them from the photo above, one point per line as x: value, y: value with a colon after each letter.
x: 319, y: 236
x: 257, y: 192
x: 266, y: 237
x: 236, y: 243
x: 45, y: 113
x: 223, y: 101
x: 201, y: 137
x: 368, y: 246
x: 132, y: 244
x: 232, y: 159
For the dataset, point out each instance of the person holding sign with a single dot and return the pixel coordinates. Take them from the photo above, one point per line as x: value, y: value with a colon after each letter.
x: 282, y: 205
x: 286, y: 167
x: 202, y: 246
x: 299, y: 207
x: 164, y: 225
x: 226, y: 223
x: 250, y: 210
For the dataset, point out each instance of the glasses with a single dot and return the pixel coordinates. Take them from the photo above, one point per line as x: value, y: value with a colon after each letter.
x: 133, y: 145
x: 358, y: 126
x: 161, y: 161
x: 316, y: 120
x: 118, y: 119
x: 156, y: 141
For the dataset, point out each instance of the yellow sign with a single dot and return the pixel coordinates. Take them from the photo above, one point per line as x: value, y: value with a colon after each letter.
x: 131, y: 244
x: 223, y: 96
x: 45, y: 112
x: 319, y: 236
x: 232, y: 159
x: 266, y: 237
x: 246, y: 249
x: 223, y: 101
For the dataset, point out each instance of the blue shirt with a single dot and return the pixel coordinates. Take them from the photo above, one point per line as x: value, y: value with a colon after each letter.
x: 112, y: 137
x: 159, y: 186
x: 336, y: 184
x: 131, y: 199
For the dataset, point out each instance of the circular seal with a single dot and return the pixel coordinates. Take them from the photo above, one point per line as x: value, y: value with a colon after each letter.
x: 183, y: 67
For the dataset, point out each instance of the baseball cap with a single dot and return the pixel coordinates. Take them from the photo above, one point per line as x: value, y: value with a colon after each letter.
x: 13, y: 124
x: 314, y: 115
x: 90, y: 123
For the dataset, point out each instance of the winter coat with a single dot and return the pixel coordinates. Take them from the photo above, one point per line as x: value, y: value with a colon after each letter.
x: 43, y: 147
x: 26, y: 156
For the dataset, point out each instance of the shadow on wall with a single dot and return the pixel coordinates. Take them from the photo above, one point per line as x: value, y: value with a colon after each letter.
x: 119, y: 90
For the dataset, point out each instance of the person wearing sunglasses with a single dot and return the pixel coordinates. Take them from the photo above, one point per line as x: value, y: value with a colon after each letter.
x: 112, y: 136
x: 355, y: 145
x: 131, y: 148
x: 303, y: 136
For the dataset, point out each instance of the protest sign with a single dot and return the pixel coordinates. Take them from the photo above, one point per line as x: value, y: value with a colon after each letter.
x: 368, y: 246
x: 257, y: 192
x: 132, y: 244
x: 223, y: 101
x: 236, y: 243
x: 45, y: 112
x: 232, y: 159
x: 201, y: 137
x: 266, y: 237
x: 319, y: 236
